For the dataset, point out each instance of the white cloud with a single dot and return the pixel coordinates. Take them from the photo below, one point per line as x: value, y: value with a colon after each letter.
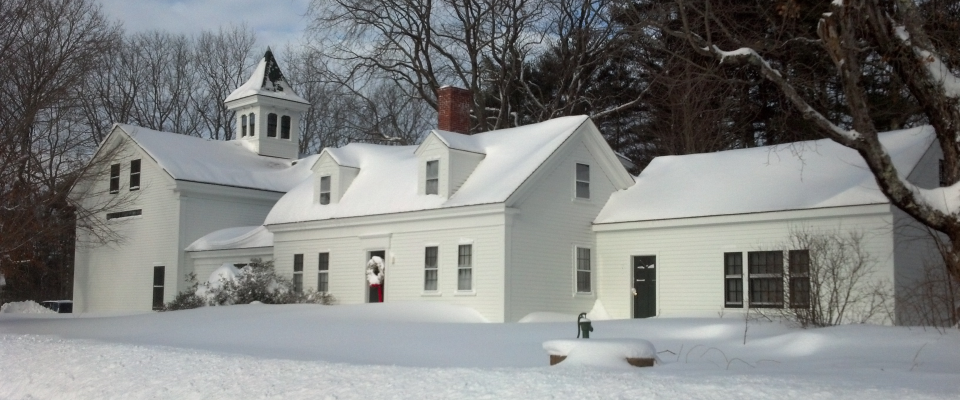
x: 276, y: 22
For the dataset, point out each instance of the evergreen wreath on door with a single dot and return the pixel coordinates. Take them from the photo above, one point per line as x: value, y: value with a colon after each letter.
x: 375, y: 270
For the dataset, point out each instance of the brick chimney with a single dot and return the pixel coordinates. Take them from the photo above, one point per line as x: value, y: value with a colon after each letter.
x: 453, y: 107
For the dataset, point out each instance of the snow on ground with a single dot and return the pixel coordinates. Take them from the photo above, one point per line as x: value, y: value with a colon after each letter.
x: 398, y: 350
x: 24, y: 307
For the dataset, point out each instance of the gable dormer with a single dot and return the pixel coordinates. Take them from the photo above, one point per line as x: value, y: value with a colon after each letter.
x: 333, y: 173
x: 446, y: 160
x: 268, y: 112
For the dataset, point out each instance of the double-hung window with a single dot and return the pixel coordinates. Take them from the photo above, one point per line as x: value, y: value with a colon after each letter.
x: 114, y: 178
x: 323, y: 276
x: 465, y: 267
x: 765, y: 270
x: 135, y: 175
x: 433, y: 177
x: 583, y: 270
x: 583, y: 181
x: 271, y: 125
x: 325, y: 190
x: 430, y: 269
x: 800, y: 278
x: 733, y: 280
x: 298, y: 273
x: 285, y: 127
x: 158, y: 278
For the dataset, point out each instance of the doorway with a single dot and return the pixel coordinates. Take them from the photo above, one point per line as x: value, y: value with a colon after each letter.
x: 644, y: 286
x: 375, y: 294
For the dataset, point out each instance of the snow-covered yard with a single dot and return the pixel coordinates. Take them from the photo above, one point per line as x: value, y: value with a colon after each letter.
x: 377, y: 351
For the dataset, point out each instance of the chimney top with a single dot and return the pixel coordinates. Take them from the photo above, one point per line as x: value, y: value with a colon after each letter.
x: 453, y: 109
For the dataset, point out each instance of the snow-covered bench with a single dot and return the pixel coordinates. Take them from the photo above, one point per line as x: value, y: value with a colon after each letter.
x: 602, y: 352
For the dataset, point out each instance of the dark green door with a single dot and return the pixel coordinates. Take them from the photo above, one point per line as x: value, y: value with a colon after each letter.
x: 644, y: 286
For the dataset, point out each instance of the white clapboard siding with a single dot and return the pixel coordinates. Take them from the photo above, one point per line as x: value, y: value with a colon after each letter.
x: 550, y: 222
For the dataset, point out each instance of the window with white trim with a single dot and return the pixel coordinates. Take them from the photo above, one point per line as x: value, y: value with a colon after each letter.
x: 733, y: 280
x: 323, y: 276
x: 135, y: 175
x: 583, y: 270
x: 253, y: 124
x: 298, y: 273
x: 433, y: 177
x: 465, y: 267
x: 800, y: 278
x: 430, y: 269
x: 243, y: 125
x: 583, y: 181
x: 325, y: 190
x: 158, y: 279
x: 765, y: 277
x: 285, y: 127
x: 114, y: 178
x: 271, y: 125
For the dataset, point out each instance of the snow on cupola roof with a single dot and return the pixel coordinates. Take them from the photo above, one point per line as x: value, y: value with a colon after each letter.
x: 796, y: 176
x: 387, y: 178
x: 267, y: 80
x: 189, y: 158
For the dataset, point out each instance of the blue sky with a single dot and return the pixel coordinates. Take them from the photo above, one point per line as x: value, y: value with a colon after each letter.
x: 276, y: 22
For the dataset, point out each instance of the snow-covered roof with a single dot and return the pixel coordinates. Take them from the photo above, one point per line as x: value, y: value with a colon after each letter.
x: 243, y: 237
x: 802, y: 175
x: 387, y: 180
x: 459, y: 141
x: 224, y: 163
x: 267, y: 80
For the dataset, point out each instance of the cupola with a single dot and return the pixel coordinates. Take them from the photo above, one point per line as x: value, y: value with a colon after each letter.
x: 268, y: 112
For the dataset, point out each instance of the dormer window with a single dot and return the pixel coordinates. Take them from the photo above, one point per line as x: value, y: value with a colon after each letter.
x: 583, y: 181
x: 285, y: 127
x: 433, y: 177
x: 253, y: 124
x: 324, y: 190
x: 243, y: 126
x: 271, y: 125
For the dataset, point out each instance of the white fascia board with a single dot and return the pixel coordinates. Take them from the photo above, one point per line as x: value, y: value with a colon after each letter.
x: 201, y: 189
x: 785, y: 215
x: 263, y: 252
x: 411, y: 216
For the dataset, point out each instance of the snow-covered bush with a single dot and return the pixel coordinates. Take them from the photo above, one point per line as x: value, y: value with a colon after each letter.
x: 188, y: 298
x: 256, y: 282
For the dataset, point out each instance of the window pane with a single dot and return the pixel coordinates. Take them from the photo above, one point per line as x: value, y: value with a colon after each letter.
x: 800, y: 292
x: 433, y: 169
x: 583, y: 173
x: 431, y: 257
x: 243, y: 125
x: 298, y: 282
x: 158, y: 297
x: 433, y: 186
x: 134, y: 174
x: 583, y: 281
x: 285, y: 127
x: 324, y: 261
x: 465, y: 255
x: 158, y: 273
x: 465, y: 279
x: 583, y: 190
x: 583, y: 259
x: 253, y: 123
x: 324, y: 183
x: 733, y: 283
x: 430, y: 280
x: 271, y: 125
x: 298, y: 263
x: 799, y: 262
x: 324, y: 198
x: 322, y: 284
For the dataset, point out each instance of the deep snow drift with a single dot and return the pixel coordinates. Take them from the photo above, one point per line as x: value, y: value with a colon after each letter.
x: 398, y: 350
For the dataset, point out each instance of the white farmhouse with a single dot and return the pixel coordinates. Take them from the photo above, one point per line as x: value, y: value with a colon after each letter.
x: 542, y: 217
